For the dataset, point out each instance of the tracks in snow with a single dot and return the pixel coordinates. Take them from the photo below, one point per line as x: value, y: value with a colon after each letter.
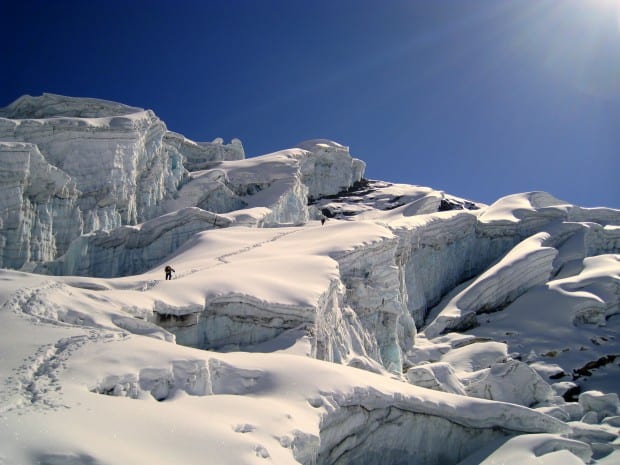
x: 35, y: 382
x: 224, y: 258
x: 221, y: 259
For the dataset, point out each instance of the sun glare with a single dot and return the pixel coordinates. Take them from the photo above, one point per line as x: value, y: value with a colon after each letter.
x: 605, y: 3
x: 611, y: 7
x: 585, y: 49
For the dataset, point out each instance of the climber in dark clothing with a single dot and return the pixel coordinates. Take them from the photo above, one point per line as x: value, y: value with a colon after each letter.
x: 169, y: 270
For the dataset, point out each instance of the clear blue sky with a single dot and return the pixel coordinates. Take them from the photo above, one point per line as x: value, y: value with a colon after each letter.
x: 478, y: 98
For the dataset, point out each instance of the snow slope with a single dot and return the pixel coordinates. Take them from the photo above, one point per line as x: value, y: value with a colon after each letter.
x: 409, y: 317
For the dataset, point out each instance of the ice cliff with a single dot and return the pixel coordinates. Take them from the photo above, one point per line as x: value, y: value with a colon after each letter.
x: 80, y: 139
x: 146, y: 169
x: 503, y: 313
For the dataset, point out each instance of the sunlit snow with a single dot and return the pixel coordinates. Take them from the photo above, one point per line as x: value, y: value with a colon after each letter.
x: 314, y: 316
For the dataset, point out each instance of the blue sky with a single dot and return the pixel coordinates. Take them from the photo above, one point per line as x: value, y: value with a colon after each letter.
x: 478, y: 98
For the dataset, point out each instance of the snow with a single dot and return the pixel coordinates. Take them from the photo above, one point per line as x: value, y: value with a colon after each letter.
x: 516, y: 207
x: 537, y: 449
x: 368, y: 339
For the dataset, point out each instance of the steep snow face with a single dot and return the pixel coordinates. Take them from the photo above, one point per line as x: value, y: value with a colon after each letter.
x: 525, y: 266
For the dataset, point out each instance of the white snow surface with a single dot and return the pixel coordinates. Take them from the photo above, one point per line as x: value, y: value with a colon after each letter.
x: 408, y: 319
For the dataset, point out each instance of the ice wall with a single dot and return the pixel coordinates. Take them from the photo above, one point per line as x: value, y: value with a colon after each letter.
x: 111, y: 165
x: 375, y: 292
x: 201, y: 155
x: 119, y: 164
x: 271, y: 181
x: 118, y: 167
x: 330, y: 169
x: 366, y: 427
x: 242, y: 321
x: 131, y: 249
x: 39, y: 206
x: 523, y: 267
x: 232, y: 321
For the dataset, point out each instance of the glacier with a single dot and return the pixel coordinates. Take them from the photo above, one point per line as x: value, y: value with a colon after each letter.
x: 316, y: 316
